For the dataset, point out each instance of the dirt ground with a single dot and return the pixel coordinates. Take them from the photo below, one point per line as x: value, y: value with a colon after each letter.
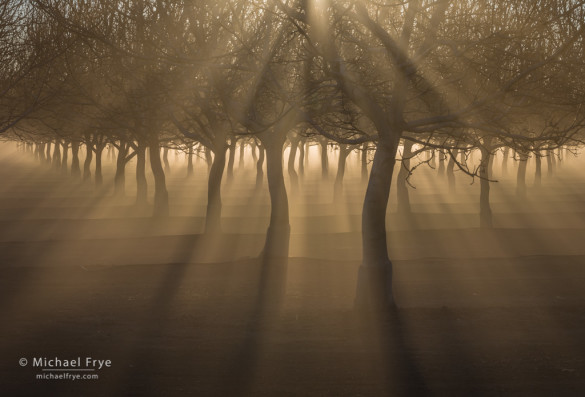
x: 498, y: 312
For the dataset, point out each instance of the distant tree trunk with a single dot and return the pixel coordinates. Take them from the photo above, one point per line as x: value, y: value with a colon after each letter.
x: 253, y: 145
x: 57, y: 155
x: 441, y: 168
x: 166, y: 160
x: 141, y: 183
x: 37, y: 151
x: 99, y: 179
x: 120, y: 176
x: 208, y: 159
x: 241, y: 161
x: 538, y: 170
x: 364, y: 160
x: 87, y: 163
x: 344, y: 151
x: 403, y: 198
x: 307, y: 149
x: 492, y: 157
x: 190, y: 161
x: 505, y: 161
x: 161, y: 196
x: 75, y: 168
x: 521, y: 176
x: 324, y: 158
x: 450, y: 171
x: 485, y: 211
x: 375, y: 275
x: 65, y: 157
x: 550, y: 163
x: 260, y: 167
x: 232, y: 157
x: 213, y: 214
x: 302, y: 157
x: 294, y: 177
x: 48, y: 153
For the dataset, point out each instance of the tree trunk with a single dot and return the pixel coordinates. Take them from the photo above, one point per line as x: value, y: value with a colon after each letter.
x: 99, y: 179
x: 87, y: 163
x: 48, y: 153
x: 241, y: 161
x: 364, y: 161
x: 208, y: 159
x: 260, y: 167
x: 294, y: 177
x: 120, y: 176
x: 374, y: 287
x: 324, y: 159
x: 42, y: 157
x: 75, y: 168
x: 278, y: 234
x: 213, y: 214
x: 485, y: 211
x: 521, y: 176
x: 190, y: 161
x: 65, y: 158
x: 57, y: 156
x: 141, y: 183
x: 302, y: 157
x: 505, y: 161
x: 450, y: 171
x: 441, y: 168
x: 403, y: 198
x: 231, y: 160
x: 538, y: 170
x: 344, y: 151
x: 161, y: 196
x: 549, y: 163
x: 166, y: 160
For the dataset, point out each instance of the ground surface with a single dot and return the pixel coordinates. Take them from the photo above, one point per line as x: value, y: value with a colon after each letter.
x: 498, y: 312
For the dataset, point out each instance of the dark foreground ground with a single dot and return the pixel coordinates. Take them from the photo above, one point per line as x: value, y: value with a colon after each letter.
x: 490, y: 313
